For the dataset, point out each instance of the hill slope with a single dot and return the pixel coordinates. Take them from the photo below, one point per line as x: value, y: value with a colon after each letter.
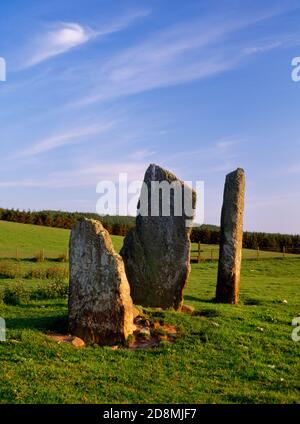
x: 30, y: 239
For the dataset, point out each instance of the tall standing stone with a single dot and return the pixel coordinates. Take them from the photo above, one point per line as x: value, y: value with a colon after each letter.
x: 231, y: 238
x: 100, y: 306
x: 156, y: 252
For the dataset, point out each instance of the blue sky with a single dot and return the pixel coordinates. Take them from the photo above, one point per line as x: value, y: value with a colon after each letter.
x: 99, y: 87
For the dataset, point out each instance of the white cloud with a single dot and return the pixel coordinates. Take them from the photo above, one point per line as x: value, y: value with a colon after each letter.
x: 67, y: 138
x: 64, y: 36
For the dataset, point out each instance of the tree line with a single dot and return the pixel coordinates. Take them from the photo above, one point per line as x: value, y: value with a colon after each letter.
x: 251, y: 240
x: 119, y: 225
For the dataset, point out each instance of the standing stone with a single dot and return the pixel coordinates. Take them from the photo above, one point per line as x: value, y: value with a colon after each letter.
x: 156, y: 252
x: 100, y: 306
x: 231, y: 238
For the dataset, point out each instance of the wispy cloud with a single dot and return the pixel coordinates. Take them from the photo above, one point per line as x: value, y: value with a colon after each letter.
x: 168, y: 58
x: 182, y: 53
x: 60, y: 39
x: 226, y: 142
x: 67, y: 138
x: 122, y: 22
x: 108, y: 170
x: 19, y: 183
x: 262, y: 48
x: 293, y: 169
x: 283, y: 40
x: 141, y: 154
x: 85, y: 176
x: 222, y: 155
x: 64, y: 36
x: 211, y: 151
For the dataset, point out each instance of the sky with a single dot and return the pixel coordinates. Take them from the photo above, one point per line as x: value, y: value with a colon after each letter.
x: 98, y: 87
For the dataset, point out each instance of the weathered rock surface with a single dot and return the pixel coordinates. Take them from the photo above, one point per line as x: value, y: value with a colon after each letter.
x: 187, y: 309
x: 231, y: 238
x: 156, y: 252
x: 100, y: 306
x: 73, y: 340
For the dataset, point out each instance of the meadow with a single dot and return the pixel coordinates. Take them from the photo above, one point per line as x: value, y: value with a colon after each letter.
x: 222, y: 353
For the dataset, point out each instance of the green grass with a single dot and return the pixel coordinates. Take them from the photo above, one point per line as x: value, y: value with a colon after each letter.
x: 224, y: 353
x: 30, y: 239
x: 209, y: 251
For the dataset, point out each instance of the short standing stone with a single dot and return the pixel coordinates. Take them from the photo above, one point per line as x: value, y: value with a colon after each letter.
x: 231, y: 238
x: 156, y: 252
x: 100, y: 306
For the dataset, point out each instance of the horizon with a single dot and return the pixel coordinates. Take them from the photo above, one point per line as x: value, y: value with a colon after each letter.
x: 93, y: 90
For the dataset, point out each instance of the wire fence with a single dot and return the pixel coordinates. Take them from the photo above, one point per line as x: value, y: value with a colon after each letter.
x: 40, y: 255
x: 201, y: 252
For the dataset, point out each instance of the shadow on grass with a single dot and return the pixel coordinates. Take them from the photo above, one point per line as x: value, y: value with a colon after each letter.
x: 6, y: 277
x: 56, y: 260
x: 33, y: 259
x: 197, y: 299
x: 207, y: 313
x: 52, y: 323
x: 252, y: 302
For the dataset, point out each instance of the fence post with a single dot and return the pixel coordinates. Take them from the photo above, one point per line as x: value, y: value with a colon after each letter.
x: 257, y: 253
x: 283, y: 252
x: 199, y: 252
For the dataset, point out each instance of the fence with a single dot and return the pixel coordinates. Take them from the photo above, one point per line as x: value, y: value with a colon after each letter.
x: 201, y: 252
x: 39, y: 255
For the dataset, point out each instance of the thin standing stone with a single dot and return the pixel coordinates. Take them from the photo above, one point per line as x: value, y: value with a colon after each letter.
x: 231, y: 238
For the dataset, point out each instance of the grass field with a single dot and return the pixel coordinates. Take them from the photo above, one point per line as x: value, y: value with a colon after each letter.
x: 223, y: 354
x: 27, y: 240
